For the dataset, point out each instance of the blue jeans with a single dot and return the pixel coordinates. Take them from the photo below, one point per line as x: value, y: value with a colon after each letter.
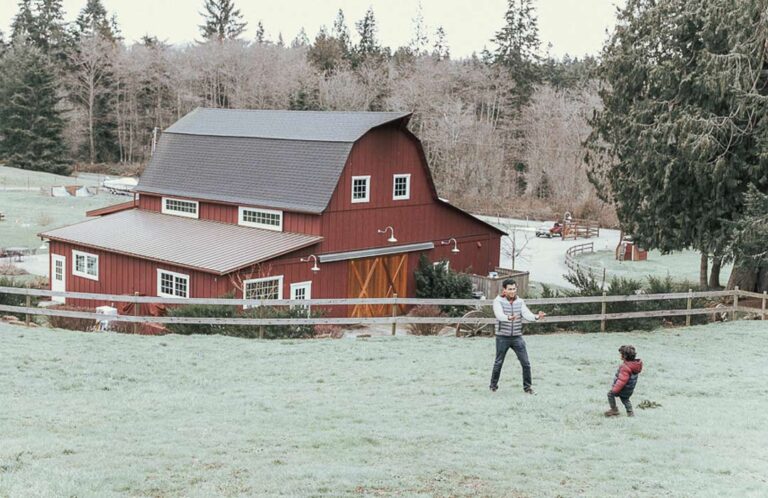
x: 503, y: 344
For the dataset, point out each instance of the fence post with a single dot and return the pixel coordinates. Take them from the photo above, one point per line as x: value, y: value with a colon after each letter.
x: 735, y: 302
x: 602, y: 321
x: 260, y: 314
x: 394, y: 313
x: 135, y: 313
x: 688, y: 307
x: 29, y: 304
x: 762, y: 316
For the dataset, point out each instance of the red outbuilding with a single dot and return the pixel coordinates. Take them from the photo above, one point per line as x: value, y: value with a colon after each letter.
x: 248, y: 202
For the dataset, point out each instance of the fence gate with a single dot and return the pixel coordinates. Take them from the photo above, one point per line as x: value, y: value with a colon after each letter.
x: 382, y: 276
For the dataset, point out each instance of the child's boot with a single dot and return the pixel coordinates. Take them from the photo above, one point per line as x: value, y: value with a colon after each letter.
x: 630, y: 414
x: 613, y: 412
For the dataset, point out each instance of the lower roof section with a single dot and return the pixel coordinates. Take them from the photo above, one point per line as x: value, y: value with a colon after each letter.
x: 377, y: 251
x: 198, y: 244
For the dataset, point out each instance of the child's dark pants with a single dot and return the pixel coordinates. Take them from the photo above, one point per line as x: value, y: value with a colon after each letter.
x: 624, y: 399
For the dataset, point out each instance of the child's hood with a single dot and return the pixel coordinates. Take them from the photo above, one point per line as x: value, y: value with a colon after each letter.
x: 635, y: 366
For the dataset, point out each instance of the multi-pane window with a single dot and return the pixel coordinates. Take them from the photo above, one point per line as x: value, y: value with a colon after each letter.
x: 261, y: 218
x: 170, y: 284
x: 301, y: 291
x: 59, y: 270
x: 263, y: 288
x: 401, y: 187
x: 361, y: 188
x: 180, y: 207
x: 86, y: 265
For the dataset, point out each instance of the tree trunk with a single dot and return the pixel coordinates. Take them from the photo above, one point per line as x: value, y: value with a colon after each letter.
x: 703, y: 270
x: 744, y: 276
x: 714, y: 275
x: 762, y: 279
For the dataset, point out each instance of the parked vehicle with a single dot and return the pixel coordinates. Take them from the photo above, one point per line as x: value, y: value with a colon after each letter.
x: 549, y: 231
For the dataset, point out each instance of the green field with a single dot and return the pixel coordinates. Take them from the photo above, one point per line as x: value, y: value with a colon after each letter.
x: 21, y: 178
x: 100, y: 415
x: 681, y: 266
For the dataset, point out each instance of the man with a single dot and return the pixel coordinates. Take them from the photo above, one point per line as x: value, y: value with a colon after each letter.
x: 510, y: 310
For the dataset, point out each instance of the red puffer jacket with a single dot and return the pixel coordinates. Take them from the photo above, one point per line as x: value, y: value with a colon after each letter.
x: 626, y: 377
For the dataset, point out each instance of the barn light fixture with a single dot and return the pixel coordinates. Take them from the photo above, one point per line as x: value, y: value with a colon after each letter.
x: 384, y: 231
x: 455, y: 249
x: 311, y: 257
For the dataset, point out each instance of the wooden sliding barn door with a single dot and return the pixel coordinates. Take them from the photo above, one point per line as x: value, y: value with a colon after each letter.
x: 382, y: 276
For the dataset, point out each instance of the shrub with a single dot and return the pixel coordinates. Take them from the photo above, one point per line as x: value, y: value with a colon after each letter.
x: 329, y: 330
x: 248, y: 331
x: 439, y: 282
x: 425, y: 328
x: 71, y: 323
x: 15, y: 299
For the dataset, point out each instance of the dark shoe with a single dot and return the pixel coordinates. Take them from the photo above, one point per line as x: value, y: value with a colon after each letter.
x: 529, y: 391
x: 612, y: 413
x: 630, y: 414
x: 494, y: 388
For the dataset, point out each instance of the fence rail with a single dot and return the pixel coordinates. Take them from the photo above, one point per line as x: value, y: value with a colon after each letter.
x: 394, y: 320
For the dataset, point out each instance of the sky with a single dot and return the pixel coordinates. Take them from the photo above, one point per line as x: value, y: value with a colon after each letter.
x: 575, y: 27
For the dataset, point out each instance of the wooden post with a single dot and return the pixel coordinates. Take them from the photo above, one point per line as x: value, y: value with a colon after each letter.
x: 260, y: 314
x: 688, y: 307
x: 135, y: 313
x: 29, y: 305
x: 735, y: 302
x: 762, y: 316
x: 602, y: 321
x: 394, y: 313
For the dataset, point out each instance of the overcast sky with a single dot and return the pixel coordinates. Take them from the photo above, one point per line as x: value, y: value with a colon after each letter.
x: 576, y: 27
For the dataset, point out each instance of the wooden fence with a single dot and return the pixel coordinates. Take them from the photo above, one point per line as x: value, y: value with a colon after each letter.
x: 491, y: 286
x: 733, y: 308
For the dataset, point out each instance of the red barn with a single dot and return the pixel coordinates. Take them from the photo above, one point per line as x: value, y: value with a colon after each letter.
x: 235, y: 201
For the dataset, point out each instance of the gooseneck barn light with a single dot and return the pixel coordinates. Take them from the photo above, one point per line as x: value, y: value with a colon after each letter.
x: 384, y: 231
x: 455, y: 249
x: 313, y: 258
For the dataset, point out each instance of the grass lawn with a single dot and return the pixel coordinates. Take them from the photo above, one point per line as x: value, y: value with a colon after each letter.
x: 29, y: 213
x: 15, y: 177
x: 681, y: 266
x: 99, y: 415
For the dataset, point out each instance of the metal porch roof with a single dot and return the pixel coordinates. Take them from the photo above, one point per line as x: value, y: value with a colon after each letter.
x: 199, y: 244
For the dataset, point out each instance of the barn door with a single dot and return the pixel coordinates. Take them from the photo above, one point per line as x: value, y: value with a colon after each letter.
x: 382, y: 276
x: 59, y: 277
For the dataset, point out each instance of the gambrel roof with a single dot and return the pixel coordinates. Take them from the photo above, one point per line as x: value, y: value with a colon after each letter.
x: 288, y: 160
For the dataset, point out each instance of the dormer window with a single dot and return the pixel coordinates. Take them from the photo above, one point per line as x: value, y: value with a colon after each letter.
x: 401, y: 187
x: 180, y: 207
x: 361, y: 188
x: 267, y: 219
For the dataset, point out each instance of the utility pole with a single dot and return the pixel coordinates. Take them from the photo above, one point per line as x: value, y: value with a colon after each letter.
x: 154, y: 140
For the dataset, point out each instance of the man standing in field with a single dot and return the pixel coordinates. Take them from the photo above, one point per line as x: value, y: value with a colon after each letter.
x: 510, y: 310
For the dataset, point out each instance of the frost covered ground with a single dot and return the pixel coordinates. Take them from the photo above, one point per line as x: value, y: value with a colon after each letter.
x: 100, y: 415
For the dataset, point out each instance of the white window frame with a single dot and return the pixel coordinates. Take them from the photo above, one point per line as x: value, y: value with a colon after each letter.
x: 279, y: 279
x: 445, y: 263
x: 85, y: 274
x: 175, y: 275
x: 297, y: 285
x: 407, y: 195
x: 241, y: 218
x: 367, y: 197
x: 166, y: 210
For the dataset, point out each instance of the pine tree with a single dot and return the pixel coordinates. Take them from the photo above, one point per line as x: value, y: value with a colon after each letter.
x: 260, y: 33
x: 420, y: 42
x: 301, y: 40
x: 93, y: 20
x: 222, y: 20
x: 340, y: 31
x: 441, y: 51
x: 366, y: 28
x: 327, y: 53
x: 678, y: 139
x: 31, y: 126
x: 23, y: 25
x: 517, y: 45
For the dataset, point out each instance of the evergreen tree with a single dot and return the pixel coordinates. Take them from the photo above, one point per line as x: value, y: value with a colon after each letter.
x: 420, y: 42
x: 31, y: 126
x: 366, y: 28
x: 23, y: 25
x: 260, y: 33
x: 301, y: 40
x: 280, y: 42
x: 750, y: 235
x: 93, y: 20
x: 327, y: 53
x: 517, y: 44
x: 682, y: 131
x: 340, y: 31
x: 441, y: 51
x: 222, y: 20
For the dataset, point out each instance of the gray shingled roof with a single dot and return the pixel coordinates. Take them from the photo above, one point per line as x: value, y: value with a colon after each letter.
x: 321, y: 126
x: 288, y: 160
x: 182, y: 241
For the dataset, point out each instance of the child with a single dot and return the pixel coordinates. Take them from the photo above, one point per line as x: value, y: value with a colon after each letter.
x: 625, y: 381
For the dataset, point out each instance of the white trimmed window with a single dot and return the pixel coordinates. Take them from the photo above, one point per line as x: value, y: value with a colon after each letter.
x: 361, y: 188
x: 180, y: 207
x: 261, y: 218
x: 401, y: 187
x: 86, y: 265
x: 263, y: 288
x: 301, y: 290
x: 172, y: 284
x: 444, y: 263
